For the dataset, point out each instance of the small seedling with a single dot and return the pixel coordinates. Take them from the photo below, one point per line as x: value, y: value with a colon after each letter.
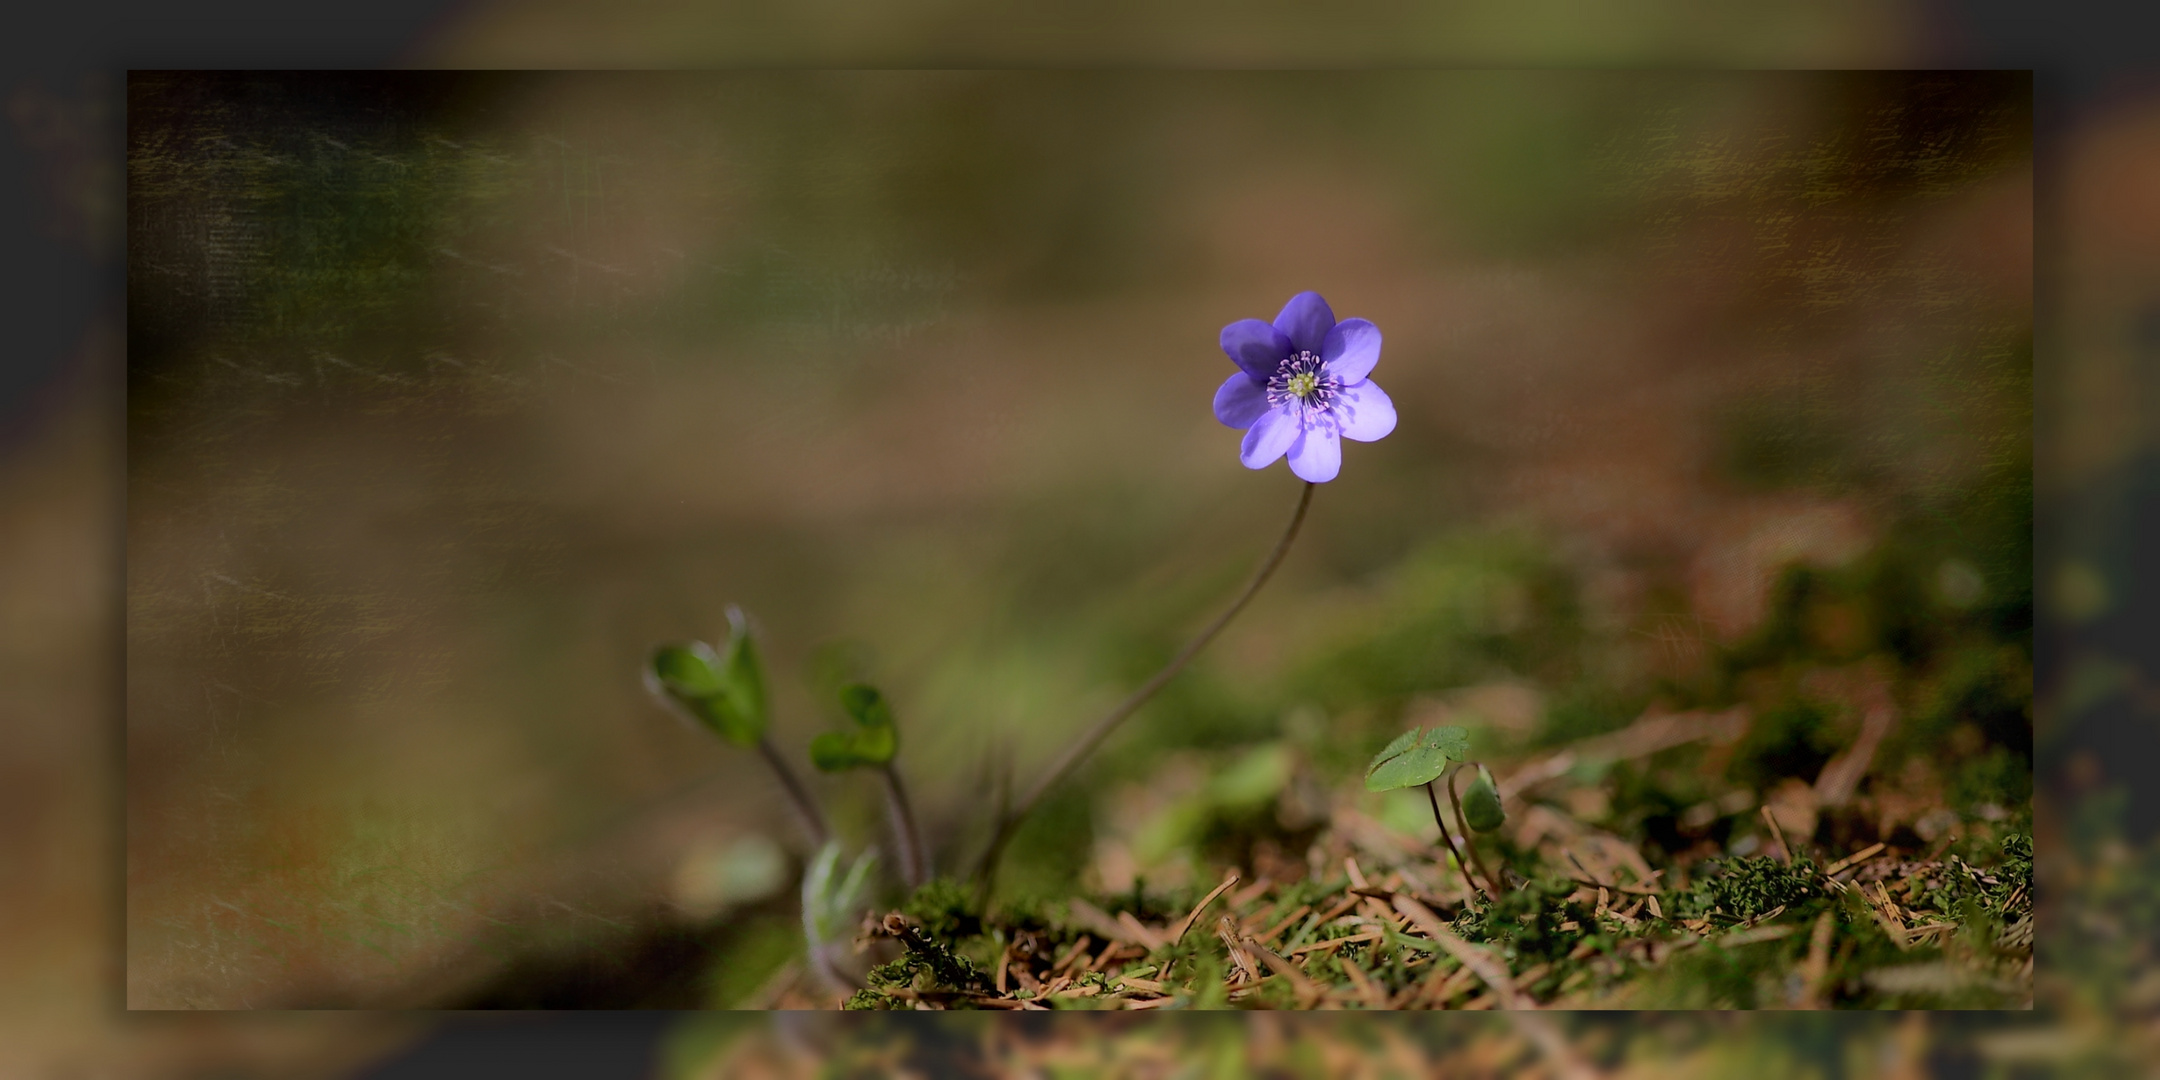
x: 829, y: 903
x: 872, y: 744
x: 725, y: 693
x: 1481, y: 805
x: 1418, y: 757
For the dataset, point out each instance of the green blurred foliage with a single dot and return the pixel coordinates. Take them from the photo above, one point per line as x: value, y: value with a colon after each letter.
x: 754, y: 949
x: 872, y: 742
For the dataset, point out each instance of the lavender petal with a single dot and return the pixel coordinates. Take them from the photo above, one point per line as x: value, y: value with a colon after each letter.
x: 1240, y: 401
x: 1351, y: 349
x: 1305, y: 320
x: 1365, y: 412
x: 1268, y: 438
x: 1256, y: 347
x: 1317, y: 454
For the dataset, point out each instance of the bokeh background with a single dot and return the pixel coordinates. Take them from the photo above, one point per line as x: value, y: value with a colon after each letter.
x: 63, y: 468
x: 450, y: 395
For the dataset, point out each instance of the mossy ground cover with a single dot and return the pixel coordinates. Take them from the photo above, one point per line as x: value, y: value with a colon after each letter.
x: 1886, y: 929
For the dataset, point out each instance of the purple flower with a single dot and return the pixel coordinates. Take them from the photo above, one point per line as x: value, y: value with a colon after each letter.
x: 1301, y: 388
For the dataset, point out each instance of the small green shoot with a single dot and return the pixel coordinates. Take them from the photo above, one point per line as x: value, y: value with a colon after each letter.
x: 872, y: 743
x: 724, y: 692
x: 831, y: 902
x: 1481, y: 804
x: 1417, y: 757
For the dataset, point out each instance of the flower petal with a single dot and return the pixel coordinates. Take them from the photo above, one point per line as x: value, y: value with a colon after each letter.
x: 1268, y: 438
x: 1351, y: 349
x: 1240, y: 401
x: 1317, y: 454
x: 1305, y: 320
x: 1364, y: 411
x: 1256, y: 346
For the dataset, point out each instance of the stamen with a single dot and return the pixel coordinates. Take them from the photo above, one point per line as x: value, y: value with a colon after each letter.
x: 1302, y: 380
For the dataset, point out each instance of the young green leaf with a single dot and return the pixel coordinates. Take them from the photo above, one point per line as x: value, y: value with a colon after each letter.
x: 1417, y: 757
x: 832, y: 902
x: 873, y: 741
x: 868, y: 707
x: 688, y: 670
x: 694, y: 678
x: 725, y: 693
x: 745, y: 677
x: 1481, y: 804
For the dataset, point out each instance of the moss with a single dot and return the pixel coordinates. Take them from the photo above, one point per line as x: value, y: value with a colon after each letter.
x: 945, y: 908
x: 1746, y: 888
x: 870, y: 1000
x: 1532, y: 924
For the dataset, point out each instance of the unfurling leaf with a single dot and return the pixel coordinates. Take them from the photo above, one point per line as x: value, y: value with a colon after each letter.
x: 745, y: 676
x: 873, y: 741
x: 725, y: 693
x: 1417, y: 757
x: 1481, y: 804
x: 687, y: 671
x: 832, y: 902
x: 866, y: 706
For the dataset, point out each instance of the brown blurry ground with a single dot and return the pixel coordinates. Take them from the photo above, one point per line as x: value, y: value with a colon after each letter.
x: 61, y: 781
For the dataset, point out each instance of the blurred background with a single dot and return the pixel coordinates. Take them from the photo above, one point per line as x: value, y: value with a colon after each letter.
x: 1436, y: 230
x: 449, y: 396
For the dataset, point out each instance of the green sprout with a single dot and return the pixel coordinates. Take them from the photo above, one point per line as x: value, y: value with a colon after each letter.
x: 872, y: 744
x: 1481, y: 806
x: 1418, y: 757
x: 725, y: 693
x: 830, y: 901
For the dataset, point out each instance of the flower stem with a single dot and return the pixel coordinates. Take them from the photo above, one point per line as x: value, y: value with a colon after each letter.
x: 986, y: 872
x: 1492, y: 883
x: 914, y: 858
x: 806, y: 809
x: 1449, y: 840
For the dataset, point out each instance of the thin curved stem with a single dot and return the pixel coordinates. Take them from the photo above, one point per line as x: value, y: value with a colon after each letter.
x: 914, y: 861
x: 813, y: 822
x: 1449, y: 840
x: 1492, y: 883
x: 1087, y: 742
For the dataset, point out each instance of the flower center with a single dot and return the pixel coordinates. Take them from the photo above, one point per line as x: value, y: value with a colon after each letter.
x: 1300, y: 380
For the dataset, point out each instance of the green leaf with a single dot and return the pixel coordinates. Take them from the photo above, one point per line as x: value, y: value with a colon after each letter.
x: 874, y: 740
x: 830, y: 903
x: 726, y: 694
x: 688, y: 670
x: 1417, y: 757
x: 745, y: 677
x: 868, y: 707
x: 691, y: 677
x: 1481, y: 804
